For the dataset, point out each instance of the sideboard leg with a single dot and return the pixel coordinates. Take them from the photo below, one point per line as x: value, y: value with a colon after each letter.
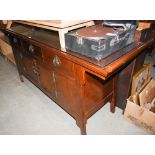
x: 82, y: 126
x: 83, y: 129
x: 21, y: 78
x: 113, y: 100
x: 112, y: 104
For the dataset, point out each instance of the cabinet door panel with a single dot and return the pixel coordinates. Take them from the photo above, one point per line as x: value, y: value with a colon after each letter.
x: 66, y: 91
x: 46, y: 80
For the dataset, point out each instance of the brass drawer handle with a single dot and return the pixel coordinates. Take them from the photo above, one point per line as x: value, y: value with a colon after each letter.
x: 36, y: 72
x: 54, y: 78
x: 55, y: 94
x: 35, y: 67
x: 56, y: 61
x: 31, y: 48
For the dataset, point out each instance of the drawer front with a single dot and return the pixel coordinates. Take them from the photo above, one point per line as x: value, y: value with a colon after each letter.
x: 59, y: 63
x: 31, y: 69
x: 31, y: 49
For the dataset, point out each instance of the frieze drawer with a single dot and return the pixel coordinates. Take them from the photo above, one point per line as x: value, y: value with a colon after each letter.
x: 31, y: 49
x: 58, y: 63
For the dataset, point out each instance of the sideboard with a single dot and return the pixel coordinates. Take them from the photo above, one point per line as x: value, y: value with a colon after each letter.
x: 77, y: 84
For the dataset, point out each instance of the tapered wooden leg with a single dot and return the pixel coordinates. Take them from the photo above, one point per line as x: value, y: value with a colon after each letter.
x: 113, y: 100
x: 112, y: 104
x: 21, y: 78
x: 83, y: 129
x: 82, y: 126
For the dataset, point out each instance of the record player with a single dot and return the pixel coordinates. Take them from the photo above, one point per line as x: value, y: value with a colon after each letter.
x: 100, y: 41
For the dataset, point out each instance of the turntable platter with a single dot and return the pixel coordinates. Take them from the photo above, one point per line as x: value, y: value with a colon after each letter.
x: 95, y: 32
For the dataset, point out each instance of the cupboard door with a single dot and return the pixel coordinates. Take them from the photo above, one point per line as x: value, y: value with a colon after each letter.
x: 66, y: 92
x: 46, y: 80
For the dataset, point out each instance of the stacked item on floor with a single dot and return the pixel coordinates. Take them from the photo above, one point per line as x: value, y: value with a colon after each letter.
x: 5, y: 48
x: 140, y: 108
x: 143, y: 32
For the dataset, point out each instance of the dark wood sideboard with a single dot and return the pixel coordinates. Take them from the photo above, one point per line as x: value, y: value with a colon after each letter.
x: 75, y: 83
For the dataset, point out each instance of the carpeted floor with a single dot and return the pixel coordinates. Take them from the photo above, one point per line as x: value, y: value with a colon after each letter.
x: 24, y: 109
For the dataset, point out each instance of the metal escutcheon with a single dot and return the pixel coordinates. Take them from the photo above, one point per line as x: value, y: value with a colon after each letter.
x: 53, y: 77
x: 31, y: 48
x: 55, y: 94
x: 56, y: 61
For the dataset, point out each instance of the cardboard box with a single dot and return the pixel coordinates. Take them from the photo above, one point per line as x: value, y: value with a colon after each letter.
x: 6, y: 48
x: 139, y: 115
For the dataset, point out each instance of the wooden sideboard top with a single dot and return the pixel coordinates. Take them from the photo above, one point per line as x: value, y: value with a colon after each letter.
x: 103, y: 69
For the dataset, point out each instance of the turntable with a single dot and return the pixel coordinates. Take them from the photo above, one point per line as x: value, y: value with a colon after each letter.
x: 100, y: 41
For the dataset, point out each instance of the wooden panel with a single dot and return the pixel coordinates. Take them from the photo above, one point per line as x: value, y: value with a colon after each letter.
x: 65, y: 92
x: 139, y: 61
x: 95, y: 91
x: 125, y: 78
x: 124, y: 84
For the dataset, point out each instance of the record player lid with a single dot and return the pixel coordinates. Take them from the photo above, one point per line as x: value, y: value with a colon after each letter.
x: 96, y: 32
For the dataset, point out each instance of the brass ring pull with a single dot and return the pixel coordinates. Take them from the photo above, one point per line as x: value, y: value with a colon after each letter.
x: 56, y: 61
